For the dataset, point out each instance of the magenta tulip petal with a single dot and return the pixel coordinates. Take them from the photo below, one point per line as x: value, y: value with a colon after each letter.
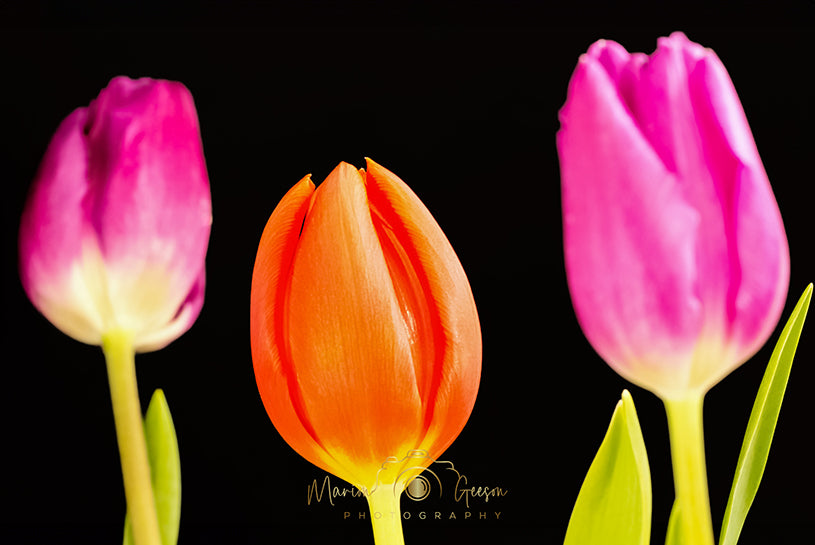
x: 757, y: 243
x: 612, y: 251
x: 116, y: 227
x: 675, y: 250
x: 53, y: 232
x: 186, y: 315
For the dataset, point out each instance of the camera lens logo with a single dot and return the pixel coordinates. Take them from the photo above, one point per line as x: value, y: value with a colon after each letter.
x: 418, y: 489
x: 414, y: 476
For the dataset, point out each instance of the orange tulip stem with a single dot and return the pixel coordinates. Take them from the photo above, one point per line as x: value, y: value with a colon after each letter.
x: 118, y: 349
x: 386, y: 516
x: 690, y: 475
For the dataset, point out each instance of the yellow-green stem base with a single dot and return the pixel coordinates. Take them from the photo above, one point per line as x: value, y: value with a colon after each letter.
x: 690, y: 475
x: 124, y: 394
x: 386, y: 517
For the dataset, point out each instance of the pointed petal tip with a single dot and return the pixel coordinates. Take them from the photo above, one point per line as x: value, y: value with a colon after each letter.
x: 306, y: 181
x: 372, y: 166
x: 346, y: 166
x: 381, y: 173
x: 677, y: 37
x: 343, y: 171
x: 597, y: 48
x: 586, y: 58
x: 679, y: 41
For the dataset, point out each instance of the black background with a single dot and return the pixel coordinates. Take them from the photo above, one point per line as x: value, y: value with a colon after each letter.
x: 460, y: 102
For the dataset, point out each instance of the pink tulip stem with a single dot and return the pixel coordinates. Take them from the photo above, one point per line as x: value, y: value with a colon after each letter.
x: 386, y: 517
x: 120, y: 357
x: 690, y: 475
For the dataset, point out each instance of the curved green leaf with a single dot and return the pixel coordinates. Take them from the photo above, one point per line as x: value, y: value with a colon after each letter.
x: 165, y: 469
x: 614, y: 504
x: 761, y: 427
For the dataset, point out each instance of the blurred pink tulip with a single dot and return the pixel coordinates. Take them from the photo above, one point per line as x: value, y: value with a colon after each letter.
x: 676, y: 255
x: 116, y: 226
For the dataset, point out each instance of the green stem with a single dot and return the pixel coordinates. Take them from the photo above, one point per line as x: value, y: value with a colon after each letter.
x: 690, y: 476
x: 386, y: 517
x: 124, y: 394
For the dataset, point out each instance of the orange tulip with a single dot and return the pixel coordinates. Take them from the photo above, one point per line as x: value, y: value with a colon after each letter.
x: 365, y: 336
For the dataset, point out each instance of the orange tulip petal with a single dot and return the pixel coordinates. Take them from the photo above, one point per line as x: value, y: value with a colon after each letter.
x: 448, y: 359
x: 347, y: 333
x: 273, y: 372
x: 365, y: 335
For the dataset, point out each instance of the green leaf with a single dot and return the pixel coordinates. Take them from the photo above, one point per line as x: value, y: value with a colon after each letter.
x: 614, y: 504
x: 761, y: 427
x: 165, y: 470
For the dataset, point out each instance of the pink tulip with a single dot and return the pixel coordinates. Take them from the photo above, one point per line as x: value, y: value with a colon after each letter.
x: 676, y: 255
x: 116, y: 226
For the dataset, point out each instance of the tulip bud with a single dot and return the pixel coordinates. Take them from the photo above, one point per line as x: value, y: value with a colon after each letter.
x: 676, y: 255
x: 116, y: 226
x: 365, y: 337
